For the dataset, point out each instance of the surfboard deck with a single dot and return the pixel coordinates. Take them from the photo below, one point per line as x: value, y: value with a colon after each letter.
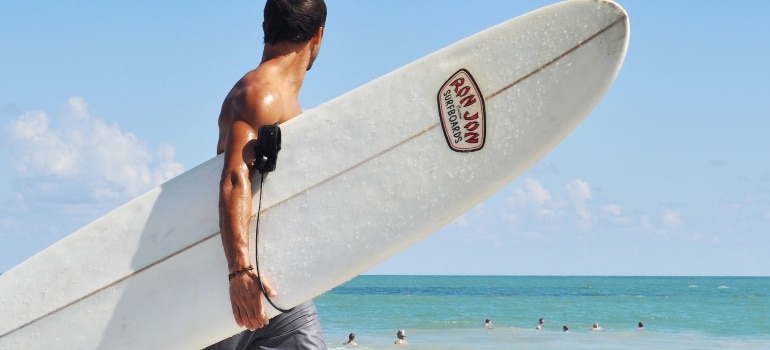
x: 359, y: 179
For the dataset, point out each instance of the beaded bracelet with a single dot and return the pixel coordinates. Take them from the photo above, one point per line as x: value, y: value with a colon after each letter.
x: 238, y: 272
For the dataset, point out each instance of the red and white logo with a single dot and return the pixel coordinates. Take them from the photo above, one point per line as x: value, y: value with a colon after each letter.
x: 461, y: 110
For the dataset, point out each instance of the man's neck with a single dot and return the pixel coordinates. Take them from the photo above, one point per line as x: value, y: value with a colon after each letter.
x: 290, y: 59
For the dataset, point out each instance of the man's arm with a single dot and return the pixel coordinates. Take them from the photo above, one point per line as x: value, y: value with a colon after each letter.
x: 251, y: 108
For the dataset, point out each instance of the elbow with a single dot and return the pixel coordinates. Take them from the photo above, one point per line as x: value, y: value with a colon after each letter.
x: 229, y: 180
x: 232, y: 184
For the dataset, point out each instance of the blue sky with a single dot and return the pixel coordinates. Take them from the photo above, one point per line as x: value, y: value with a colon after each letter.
x: 668, y: 176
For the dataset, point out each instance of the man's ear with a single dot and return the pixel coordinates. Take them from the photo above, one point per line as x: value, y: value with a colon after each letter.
x: 319, y: 34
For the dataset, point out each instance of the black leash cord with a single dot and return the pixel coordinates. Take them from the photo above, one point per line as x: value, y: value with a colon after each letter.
x: 256, y: 251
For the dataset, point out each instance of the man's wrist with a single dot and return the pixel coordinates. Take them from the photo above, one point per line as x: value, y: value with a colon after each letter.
x: 237, y: 272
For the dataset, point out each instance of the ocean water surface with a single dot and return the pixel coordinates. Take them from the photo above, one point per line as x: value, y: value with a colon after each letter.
x: 448, y: 312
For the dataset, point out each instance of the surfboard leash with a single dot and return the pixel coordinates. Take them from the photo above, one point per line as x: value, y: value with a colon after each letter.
x: 268, y: 145
x: 256, y: 253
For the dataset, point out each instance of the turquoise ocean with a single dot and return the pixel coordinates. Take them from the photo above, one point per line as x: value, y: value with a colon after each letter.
x: 448, y: 312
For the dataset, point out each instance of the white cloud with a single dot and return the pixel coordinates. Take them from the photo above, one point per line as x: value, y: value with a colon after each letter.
x: 531, y: 200
x: 38, y: 148
x: 531, y: 203
x: 612, y: 209
x: 67, y: 170
x: 646, y: 222
x: 83, y: 150
x: 546, y: 213
x: 671, y: 218
x: 532, y: 194
x: 615, y: 213
x: 579, y: 193
x: 536, y: 192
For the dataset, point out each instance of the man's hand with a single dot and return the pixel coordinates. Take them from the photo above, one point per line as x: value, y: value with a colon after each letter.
x: 245, y: 297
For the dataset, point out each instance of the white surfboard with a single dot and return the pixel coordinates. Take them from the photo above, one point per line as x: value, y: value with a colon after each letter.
x: 359, y: 179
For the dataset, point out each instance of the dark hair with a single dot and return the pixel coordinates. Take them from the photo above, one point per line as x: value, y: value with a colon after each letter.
x: 352, y: 336
x: 294, y: 21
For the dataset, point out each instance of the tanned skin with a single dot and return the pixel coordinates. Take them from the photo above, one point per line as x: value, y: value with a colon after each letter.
x: 267, y: 95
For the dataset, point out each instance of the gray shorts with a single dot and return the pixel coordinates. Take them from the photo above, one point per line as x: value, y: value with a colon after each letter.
x: 297, y: 329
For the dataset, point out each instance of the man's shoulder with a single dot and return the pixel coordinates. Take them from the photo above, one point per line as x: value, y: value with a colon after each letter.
x: 258, y: 98
x: 256, y: 94
x: 256, y: 85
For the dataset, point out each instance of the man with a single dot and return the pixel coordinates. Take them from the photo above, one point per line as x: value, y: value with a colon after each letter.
x: 401, y: 337
x: 351, y: 340
x: 266, y: 95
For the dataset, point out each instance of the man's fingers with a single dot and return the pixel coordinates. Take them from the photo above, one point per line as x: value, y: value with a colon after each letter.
x: 261, y: 316
x: 253, y: 313
x: 269, y: 290
x: 237, y: 316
